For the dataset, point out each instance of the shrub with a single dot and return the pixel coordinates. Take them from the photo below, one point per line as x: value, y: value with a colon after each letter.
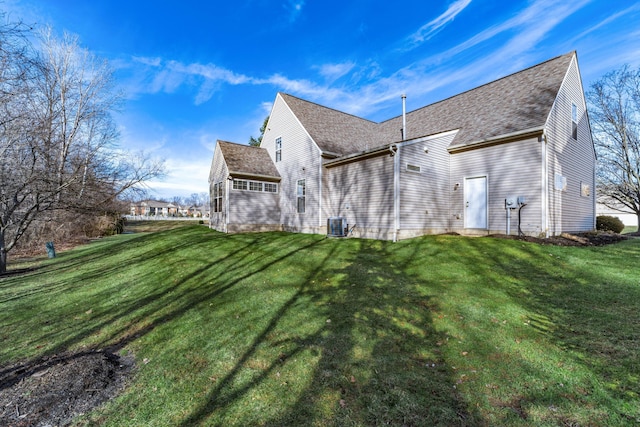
x: 609, y: 223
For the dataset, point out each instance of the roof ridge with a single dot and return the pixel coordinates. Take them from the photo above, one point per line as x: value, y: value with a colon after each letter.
x: 237, y: 143
x: 328, y: 108
x: 573, y: 52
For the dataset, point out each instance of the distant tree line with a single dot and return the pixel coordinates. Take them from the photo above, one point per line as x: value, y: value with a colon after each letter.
x: 60, y: 166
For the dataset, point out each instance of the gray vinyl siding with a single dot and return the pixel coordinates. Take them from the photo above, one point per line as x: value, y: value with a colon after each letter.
x: 424, y: 196
x: 568, y: 210
x: 512, y: 169
x: 218, y: 173
x: 300, y: 160
x: 362, y: 192
x: 255, y: 209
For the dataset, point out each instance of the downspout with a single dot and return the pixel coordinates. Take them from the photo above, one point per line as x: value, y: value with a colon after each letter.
x: 545, y: 186
x: 227, y: 184
x: 396, y: 190
x: 404, y: 117
x: 320, y: 195
x: 396, y: 171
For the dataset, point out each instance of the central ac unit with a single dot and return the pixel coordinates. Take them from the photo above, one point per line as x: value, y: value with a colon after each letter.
x: 337, y: 226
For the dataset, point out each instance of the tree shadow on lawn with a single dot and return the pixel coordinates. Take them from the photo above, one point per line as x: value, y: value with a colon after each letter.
x: 139, y: 310
x: 578, y: 303
x: 199, y: 281
x: 378, y: 358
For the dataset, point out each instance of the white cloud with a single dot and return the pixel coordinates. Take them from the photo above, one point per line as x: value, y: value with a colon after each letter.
x: 369, y: 89
x: 294, y: 8
x: 154, y: 62
x: 332, y: 72
x: 432, y: 27
x: 540, y: 15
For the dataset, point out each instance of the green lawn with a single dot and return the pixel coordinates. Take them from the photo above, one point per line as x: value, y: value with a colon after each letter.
x: 283, y: 329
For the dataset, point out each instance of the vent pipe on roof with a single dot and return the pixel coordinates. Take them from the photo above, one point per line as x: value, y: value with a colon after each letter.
x: 404, y: 116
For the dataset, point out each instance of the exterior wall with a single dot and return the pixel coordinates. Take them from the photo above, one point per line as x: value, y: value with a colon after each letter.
x: 512, y: 169
x: 424, y: 195
x: 300, y: 160
x: 253, y: 211
x: 218, y: 173
x: 569, y: 210
x: 362, y: 192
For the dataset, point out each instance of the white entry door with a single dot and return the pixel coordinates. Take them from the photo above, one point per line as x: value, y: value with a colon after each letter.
x: 475, y: 195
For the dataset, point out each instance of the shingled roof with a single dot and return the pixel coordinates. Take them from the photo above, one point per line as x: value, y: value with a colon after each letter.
x: 245, y: 160
x: 515, y: 103
x: 332, y: 130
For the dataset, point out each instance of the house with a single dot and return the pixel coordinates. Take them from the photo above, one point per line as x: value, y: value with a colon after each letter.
x: 154, y: 208
x: 511, y: 156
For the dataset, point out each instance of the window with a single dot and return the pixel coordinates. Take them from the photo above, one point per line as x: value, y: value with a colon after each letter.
x: 574, y: 121
x: 217, y: 197
x: 301, y: 195
x: 585, y: 190
x: 278, y: 149
x: 413, y: 168
x: 239, y: 184
x: 266, y: 187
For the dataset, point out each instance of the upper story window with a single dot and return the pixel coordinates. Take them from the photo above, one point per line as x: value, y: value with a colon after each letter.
x: 278, y: 149
x: 574, y: 121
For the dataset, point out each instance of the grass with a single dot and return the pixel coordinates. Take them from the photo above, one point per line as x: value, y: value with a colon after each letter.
x: 282, y: 329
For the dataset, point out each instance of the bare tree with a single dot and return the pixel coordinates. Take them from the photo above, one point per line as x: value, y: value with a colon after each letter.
x: 615, y: 118
x: 59, y: 146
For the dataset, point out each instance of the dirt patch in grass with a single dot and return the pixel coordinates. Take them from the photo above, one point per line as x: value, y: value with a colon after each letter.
x: 53, y: 390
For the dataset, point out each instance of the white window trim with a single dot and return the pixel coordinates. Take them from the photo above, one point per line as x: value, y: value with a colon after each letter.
x: 249, y: 182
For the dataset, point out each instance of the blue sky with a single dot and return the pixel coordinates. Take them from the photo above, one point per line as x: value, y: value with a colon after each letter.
x: 194, y: 72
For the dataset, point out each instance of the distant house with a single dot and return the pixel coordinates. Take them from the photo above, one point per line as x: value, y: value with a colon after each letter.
x: 154, y: 208
x: 512, y: 155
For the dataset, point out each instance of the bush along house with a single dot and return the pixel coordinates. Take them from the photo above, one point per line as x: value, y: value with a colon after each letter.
x: 511, y: 156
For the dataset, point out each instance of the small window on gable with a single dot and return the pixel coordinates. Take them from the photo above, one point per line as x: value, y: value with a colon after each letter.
x: 413, y: 168
x: 255, y: 186
x: 278, y: 149
x: 574, y: 121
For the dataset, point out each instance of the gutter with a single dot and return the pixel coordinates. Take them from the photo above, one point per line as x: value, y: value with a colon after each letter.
x: 245, y: 175
x: 380, y: 150
x: 500, y: 139
x: 360, y: 155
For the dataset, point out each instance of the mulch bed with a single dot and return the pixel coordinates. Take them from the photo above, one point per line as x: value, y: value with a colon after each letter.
x: 51, y: 391
x: 596, y: 238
